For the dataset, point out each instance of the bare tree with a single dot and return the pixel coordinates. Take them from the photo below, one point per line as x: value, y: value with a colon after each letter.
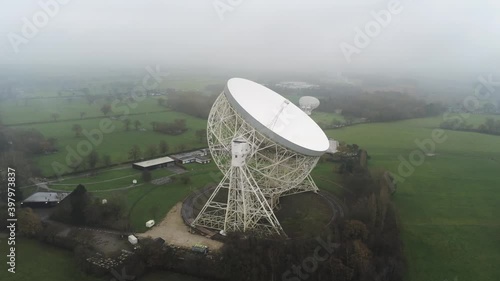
x: 106, y: 109
x: 55, y: 116
x: 152, y: 150
x: 163, y: 147
x: 137, y: 124
x: 127, y: 122
x: 77, y: 129
x: 106, y: 160
x: 92, y: 159
x: 134, y: 153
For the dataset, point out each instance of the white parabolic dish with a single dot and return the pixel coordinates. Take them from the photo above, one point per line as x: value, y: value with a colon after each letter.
x: 309, y: 101
x: 276, y: 117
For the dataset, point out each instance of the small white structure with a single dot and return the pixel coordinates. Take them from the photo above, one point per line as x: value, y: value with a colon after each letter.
x: 104, y: 201
x: 132, y: 239
x: 134, y: 181
x: 150, y: 223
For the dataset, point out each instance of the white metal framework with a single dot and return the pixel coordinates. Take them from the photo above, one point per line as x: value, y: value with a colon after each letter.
x: 245, y: 198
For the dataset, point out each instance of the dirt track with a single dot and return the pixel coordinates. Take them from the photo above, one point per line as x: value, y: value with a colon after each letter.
x: 175, y: 232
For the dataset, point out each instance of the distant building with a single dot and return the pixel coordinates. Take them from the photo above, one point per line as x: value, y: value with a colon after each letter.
x: 44, y: 199
x: 296, y: 85
x: 154, y: 163
x: 202, y: 159
x: 198, y: 156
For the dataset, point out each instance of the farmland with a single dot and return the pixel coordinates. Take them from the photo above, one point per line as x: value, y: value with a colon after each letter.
x: 116, y: 143
x: 49, y: 258
x: 447, y: 204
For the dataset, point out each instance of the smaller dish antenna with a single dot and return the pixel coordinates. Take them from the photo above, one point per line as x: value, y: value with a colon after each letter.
x: 308, y: 104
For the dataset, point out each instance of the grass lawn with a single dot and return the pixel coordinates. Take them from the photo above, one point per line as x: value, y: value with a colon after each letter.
x: 37, y: 261
x: 41, y: 262
x: 151, y: 201
x: 109, y: 179
x: 103, y: 180
x: 449, y: 205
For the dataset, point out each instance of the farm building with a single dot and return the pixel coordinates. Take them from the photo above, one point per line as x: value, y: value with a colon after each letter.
x: 197, y: 156
x: 202, y: 160
x: 44, y: 199
x: 154, y: 163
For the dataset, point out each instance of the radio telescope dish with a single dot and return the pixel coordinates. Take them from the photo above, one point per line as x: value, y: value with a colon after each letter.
x: 308, y: 104
x: 266, y: 147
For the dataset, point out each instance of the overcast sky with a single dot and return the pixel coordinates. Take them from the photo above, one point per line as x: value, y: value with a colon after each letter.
x: 444, y: 36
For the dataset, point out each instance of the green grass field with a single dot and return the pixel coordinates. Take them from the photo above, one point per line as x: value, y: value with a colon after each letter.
x: 449, y: 205
x: 107, y: 179
x: 41, y: 110
x: 162, y: 198
x: 37, y: 261
x: 118, y: 142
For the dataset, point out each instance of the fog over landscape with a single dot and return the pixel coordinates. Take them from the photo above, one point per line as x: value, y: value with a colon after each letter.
x: 345, y: 140
x: 431, y: 38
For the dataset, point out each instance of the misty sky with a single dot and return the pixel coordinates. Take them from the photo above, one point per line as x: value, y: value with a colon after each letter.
x: 442, y: 36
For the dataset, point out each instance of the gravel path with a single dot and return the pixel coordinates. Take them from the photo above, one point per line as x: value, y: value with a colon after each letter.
x: 173, y: 230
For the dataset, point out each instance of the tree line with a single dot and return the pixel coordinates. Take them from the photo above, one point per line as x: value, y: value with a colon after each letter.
x: 379, y: 106
x: 177, y: 127
x: 17, y: 149
x: 83, y: 209
x: 191, y: 103
x: 490, y: 126
x: 364, y: 245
